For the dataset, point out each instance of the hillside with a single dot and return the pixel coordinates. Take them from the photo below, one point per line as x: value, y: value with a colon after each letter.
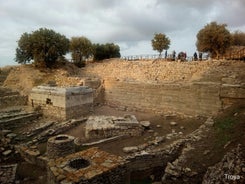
x: 160, y: 71
x: 24, y: 77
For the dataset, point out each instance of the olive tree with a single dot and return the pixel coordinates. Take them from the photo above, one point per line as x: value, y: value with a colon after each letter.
x: 81, y: 48
x: 160, y: 42
x: 214, y: 38
x: 106, y: 51
x: 42, y: 46
x: 238, y: 38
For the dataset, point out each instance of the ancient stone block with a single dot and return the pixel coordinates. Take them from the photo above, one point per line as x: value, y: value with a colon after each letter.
x: 109, y: 126
x: 62, y: 103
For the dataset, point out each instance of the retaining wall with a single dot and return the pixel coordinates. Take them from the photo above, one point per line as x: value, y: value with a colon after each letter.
x: 13, y: 100
x: 188, y: 98
x: 188, y: 88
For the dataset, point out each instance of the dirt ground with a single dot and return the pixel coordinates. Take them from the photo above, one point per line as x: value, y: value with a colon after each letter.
x: 160, y: 126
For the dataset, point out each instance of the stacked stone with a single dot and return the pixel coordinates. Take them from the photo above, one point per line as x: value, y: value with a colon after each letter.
x: 10, y: 98
x: 109, y: 126
x: 230, y: 170
x: 60, y: 146
x: 7, y: 173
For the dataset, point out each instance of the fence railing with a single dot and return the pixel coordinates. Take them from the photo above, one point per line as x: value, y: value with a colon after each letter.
x: 237, y: 54
x: 169, y: 57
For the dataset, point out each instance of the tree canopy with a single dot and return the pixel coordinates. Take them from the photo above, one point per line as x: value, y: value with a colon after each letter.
x: 160, y: 42
x: 214, y: 38
x: 42, y: 46
x: 106, y: 51
x: 238, y: 38
x: 81, y: 48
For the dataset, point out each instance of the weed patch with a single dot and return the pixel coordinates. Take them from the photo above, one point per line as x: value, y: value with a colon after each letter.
x: 224, y: 128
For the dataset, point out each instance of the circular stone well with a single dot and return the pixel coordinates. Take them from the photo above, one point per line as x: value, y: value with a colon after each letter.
x: 60, y: 145
x: 78, y: 163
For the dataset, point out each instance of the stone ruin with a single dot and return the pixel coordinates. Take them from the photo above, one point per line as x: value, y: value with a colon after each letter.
x: 109, y: 126
x: 9, y: 98
x: 62, y: 103
x: 60, y: 145
x: 86, y: 167
x: 65, y: 165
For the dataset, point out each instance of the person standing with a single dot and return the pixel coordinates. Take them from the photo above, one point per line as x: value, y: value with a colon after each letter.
x: 174, y: 55
x: 200, y: 56
x: 195, y: 56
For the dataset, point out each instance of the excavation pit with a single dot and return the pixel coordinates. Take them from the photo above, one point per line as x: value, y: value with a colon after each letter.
x: 79, y: 163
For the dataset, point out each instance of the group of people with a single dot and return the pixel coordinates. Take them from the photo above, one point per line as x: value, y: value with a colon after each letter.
x: 182, y: 56
x: 199, y: 57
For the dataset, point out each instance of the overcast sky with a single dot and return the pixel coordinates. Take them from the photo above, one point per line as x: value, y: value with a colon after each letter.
x: 129, y: 23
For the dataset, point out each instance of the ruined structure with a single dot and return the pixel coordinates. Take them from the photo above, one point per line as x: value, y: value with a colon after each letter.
x: 91, y: 166
x: 109, y: 126
x: 185, y: 88
x: 195, y: 89
x: 62, y: 103
x: 10, y: 98
x: 60, y: 145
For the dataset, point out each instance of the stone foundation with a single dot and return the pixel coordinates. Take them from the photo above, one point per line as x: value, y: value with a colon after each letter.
x: 62, y: 103
x: 109, y: 126
x: 92, y: 166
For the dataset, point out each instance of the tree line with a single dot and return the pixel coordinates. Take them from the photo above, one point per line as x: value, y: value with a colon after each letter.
x: 45, y: 47
x: 214, y: 39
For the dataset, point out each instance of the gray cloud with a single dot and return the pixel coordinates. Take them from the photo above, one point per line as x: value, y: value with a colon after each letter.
x: 131, y: 24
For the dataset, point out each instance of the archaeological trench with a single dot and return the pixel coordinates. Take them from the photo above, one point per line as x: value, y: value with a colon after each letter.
x: 98, y: 125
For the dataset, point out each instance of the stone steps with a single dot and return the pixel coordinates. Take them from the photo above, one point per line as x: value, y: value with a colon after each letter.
x: 9, y: 121
x: 10, y: 98
x: 7, y: 92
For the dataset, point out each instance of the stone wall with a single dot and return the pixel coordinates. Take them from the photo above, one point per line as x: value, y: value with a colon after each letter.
x: 189, y: 88
x: 183, y: 98
x: 232, y: 93
x: 61, y: 113
x: 62, y: 103
x: 13, y: 100
x: 60, y: 146
x: 10, y: 98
